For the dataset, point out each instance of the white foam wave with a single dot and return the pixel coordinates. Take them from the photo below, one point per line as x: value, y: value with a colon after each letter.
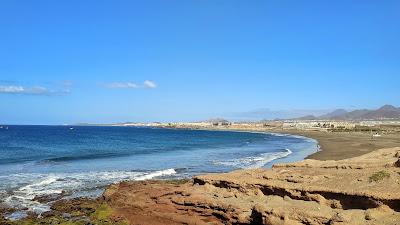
x: 279, y: 134
x: 160, y: 173
x: 294, y: 136
x: 252, y: 162
x: 50, y: 184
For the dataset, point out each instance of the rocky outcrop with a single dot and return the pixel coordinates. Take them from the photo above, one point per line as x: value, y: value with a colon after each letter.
x: 362, y: 190
x: 397, y: 163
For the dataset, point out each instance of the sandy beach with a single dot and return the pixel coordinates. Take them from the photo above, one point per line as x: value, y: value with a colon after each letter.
x: 343, y: 145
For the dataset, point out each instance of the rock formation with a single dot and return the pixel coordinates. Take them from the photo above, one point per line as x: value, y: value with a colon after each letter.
x: 361, y: 190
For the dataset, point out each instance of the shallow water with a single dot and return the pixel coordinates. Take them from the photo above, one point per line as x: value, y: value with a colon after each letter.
x: 45, y: 160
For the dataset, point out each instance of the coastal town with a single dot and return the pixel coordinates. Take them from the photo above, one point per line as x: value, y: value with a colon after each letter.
x: 380, y: 126
x: 383, y: 120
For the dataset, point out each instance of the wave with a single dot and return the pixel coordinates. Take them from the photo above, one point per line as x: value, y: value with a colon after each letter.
x: 252, y: 162
x: 294, y: 136
x: 160, y: 173
x: 64, y: 183
x: 280, y: 134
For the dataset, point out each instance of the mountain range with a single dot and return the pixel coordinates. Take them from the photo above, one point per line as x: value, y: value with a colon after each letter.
x: 384, y: 112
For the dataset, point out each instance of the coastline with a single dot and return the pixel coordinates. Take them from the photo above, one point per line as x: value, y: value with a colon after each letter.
x: 338, y: 146
x: 361, y: 190
x: 309, y: 150
x: 334, y: 146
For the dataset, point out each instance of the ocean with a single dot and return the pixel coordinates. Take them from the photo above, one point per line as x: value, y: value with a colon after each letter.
x: 82, y: 160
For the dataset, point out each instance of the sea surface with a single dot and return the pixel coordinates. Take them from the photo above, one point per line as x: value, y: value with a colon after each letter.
x: 82, y: 160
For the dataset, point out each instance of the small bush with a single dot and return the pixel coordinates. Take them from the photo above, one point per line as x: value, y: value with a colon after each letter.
x: 378, y: 176
x: 177, y: 181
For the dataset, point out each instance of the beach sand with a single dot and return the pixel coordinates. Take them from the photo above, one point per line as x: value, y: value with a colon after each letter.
x: 343, y: 145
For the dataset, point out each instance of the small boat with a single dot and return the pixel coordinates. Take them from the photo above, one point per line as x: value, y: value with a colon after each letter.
x: 71, y: 128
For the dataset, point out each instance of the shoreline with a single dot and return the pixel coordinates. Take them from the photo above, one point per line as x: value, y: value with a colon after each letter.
x: 359, y: 190
x: 333, y: 146
x: 57, y: 197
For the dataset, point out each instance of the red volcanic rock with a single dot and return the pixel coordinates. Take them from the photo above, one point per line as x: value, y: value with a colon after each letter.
x: 306, y: 192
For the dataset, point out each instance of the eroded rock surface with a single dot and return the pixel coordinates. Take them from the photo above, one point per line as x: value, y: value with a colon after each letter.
x: 362, y: 190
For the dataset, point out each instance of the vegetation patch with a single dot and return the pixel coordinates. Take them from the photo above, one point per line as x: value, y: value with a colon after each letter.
x: 73, y: 212
x: 379, y: 176
x: 177, y: 181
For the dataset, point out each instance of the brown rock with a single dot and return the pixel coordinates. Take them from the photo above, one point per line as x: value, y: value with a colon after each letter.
x: 397, y: 163
x: 270, y: 196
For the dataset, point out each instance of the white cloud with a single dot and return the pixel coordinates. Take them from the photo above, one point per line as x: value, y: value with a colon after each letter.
x: 149, y: 84
x: 12, y: 89
x: 131, y: 85
x: 122, y: 85
x: 35, y: 90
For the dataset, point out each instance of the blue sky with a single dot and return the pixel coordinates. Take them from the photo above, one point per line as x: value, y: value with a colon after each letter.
x: 111, y: 61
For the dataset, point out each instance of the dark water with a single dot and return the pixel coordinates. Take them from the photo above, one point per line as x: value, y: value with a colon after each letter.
x: 41, y: 160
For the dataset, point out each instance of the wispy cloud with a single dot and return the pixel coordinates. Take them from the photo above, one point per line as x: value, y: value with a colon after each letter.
x: 149, y: 84
x: 130, y: 85
x: 122, y: 85
x: 34, y: 90
x: 12, y: 89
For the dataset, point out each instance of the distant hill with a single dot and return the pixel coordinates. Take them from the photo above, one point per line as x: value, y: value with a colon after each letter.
x: 216, y: 120
x: 335, y: 114
x: 384, y: 112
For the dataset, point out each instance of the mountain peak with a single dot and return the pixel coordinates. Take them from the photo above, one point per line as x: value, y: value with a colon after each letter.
x: 334, y: 114
x: 384, y: 112
x: 388, y: 108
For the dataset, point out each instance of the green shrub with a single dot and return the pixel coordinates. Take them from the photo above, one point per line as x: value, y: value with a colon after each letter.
x: 378, y: 176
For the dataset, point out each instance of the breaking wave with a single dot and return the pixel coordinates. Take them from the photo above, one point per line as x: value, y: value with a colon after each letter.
x: 64, y: 183
x: 252, y: 162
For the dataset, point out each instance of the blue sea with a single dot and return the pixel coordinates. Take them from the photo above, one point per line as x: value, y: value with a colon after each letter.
x: 82, y: 160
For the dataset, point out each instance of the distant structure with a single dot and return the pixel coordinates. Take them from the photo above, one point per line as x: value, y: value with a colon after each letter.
x: 318, y: 124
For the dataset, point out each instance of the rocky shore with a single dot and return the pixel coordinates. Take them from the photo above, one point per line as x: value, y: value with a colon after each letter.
x: 358, y: 190
x: 361, y: 190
